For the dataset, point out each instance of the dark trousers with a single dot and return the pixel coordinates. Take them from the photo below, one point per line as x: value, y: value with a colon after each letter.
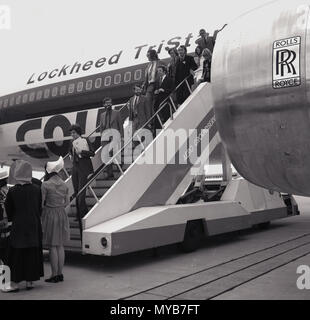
x: 182, y: 93
x: 164, y: 113
x: 150, y: 100
x: 4, y: 255
x: 79, y: 180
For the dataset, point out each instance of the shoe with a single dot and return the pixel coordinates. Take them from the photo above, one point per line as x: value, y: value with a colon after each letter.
x: 29, y: 285
x: 60, y: 277
x: 10, y: 289
x: 110, y: 176
x: 52, y: 279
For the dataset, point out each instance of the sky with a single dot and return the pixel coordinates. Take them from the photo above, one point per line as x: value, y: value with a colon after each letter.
x: 46, y: 34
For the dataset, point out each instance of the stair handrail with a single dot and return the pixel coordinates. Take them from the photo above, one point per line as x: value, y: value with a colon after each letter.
x: 111, y: 161
x: 93, y: 132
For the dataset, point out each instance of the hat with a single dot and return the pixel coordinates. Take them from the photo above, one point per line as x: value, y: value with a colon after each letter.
x: 55, y: 166
x: 4, y: 174
x: 20, y: 172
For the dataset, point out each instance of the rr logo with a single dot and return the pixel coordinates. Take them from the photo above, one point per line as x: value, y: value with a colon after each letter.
x: 286, y: 63
x: 5, y: 17
x: 285, y: 59
x: 5, y: 276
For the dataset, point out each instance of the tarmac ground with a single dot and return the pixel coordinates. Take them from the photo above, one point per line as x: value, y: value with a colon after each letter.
x: 252, y: 264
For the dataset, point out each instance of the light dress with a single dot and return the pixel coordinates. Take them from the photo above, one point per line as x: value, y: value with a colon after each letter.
x: 55, y: 222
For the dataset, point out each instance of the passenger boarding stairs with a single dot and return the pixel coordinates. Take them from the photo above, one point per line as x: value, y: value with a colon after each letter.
x: 142, y: 183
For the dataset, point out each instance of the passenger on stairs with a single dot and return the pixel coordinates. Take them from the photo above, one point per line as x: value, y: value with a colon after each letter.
x: 55, y: 223
x: 81, y: 150
x: 199, y: 59
x: 164, y: 87
x: 205, y: 40
x: 174, y: 55
x: 150, y: 79
x: 112, y: 134
x: 184, y: 69
x: 138, y: 111
x: 206, y: 76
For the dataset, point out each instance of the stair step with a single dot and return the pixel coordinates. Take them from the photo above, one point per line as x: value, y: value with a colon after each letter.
x: 74, y: 248
x: 73, y: 244
x: 90, y: 201
x: 104, y: 183
x: 74, y: 225
x: 74, y: 232
x: 72, y: 212
x: 72, y: 222
x: 100, y: 191
x: 76, y: 238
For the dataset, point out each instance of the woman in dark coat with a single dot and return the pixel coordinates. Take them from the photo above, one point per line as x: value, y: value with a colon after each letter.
x: 23, y: 208
x: 4, y: 227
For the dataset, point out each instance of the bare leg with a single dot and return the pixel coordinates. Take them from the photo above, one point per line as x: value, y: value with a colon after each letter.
x: 61, y: 259
x: 54, y: 260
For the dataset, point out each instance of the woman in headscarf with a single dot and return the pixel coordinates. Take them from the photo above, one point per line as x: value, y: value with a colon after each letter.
x: 23, y: 208
x: 55, y: 223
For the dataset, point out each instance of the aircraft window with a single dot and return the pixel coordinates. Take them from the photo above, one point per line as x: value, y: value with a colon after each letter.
x: 54, y: 91
x: 71, y: 88
x: 25, y: 98
x: 12, y: 101
x: 1, y: 103
x: 138, y: 74
x: 98, y: 83
x: 89, y: 84
x: 39, y: 95
x: 63, y: 90
x: 127, y: 76
x: 32, y: 96
x: 18, y: 99
x: 5, y: 103
x: 117, y: 78
x: 46, y: 93
x: 107, y: 81
x: 80, y: 86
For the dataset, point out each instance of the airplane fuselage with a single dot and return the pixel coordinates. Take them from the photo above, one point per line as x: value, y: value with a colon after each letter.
x: 34, y: 122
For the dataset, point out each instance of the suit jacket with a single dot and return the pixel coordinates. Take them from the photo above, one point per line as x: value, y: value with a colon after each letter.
x: 172, y: 68
x: 183, y: 70
x: 111, y: 121
x: 140, y: 113
x: 206, y: 43
x: 167, y: 85
x: 84, y: 163
x: 146, y: 81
